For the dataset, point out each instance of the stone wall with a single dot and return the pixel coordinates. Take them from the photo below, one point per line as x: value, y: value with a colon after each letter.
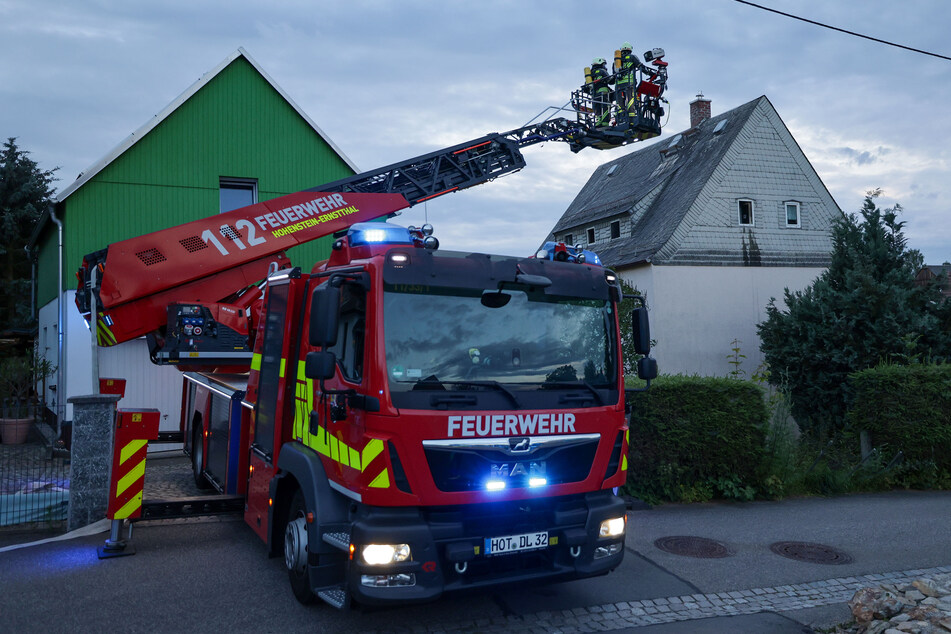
x: 921, y: 607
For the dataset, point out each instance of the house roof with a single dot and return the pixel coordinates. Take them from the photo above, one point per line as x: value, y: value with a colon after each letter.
x: 657, y: 185
x: 134, y: 138
x: 937, y: 270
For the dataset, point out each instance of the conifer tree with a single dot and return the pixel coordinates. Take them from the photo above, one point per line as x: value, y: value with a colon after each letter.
x: 863, y: 310
x: 25, y: 191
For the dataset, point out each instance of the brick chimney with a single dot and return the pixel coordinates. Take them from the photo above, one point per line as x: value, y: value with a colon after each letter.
x: 699, y: 110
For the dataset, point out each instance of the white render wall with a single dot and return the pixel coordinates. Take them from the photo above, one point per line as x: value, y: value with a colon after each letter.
x: 697, y: 311
x: 147, y: 385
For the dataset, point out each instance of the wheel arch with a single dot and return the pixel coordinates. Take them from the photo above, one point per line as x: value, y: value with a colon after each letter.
x: 299, y: 467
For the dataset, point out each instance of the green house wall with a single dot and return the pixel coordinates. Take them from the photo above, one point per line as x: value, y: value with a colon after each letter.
x: 237, y: 125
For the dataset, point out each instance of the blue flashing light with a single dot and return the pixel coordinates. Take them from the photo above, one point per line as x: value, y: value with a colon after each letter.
x: 378, y: 233
x: 591, y: 257
x: 562, y: 252
x: 495, y: 485
x: 537, y: 482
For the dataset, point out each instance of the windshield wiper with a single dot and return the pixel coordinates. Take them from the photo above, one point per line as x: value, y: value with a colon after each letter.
x: 575, y: 397
x: 496, y: 385
x: 432, y: 383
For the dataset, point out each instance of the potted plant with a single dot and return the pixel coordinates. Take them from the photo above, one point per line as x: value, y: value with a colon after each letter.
x: 18, y: 378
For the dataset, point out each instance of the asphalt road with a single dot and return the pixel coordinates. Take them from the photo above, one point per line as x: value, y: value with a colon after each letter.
x: 213, y: 575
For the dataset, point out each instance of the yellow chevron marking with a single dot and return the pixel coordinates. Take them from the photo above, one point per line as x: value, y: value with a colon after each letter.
x: 343, y: 450
x: 624, y: 463
x: 129, y: 450
x: 323, y: 443
x: 382, y: 481
x: 103, y: 333
x: 256, y: 361
x: 104, y: 336
x: 130, y: 507
x: 283, y: 367
x: 130, y: 478
x: 373, y: 449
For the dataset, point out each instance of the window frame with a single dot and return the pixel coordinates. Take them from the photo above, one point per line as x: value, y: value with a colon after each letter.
x: 798, y: 206
x: 615, y: 229
x: 591, y: 235
x: 739, y: 212
x: 236, y: 184
x: 568, y: 239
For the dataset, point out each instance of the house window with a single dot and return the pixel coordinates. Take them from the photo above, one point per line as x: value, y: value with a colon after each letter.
x: 615, y: 229
x: 792, y: 214
x: 569, y: 239
x: 745, y: 208
x: 591, y: 236
x: 236, y: 193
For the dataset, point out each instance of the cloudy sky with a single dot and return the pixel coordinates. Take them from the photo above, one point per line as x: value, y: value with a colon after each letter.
x: 389, y: 80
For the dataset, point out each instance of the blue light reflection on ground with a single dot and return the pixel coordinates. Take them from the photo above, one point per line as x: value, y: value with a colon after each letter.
x: 71, y: 557
x: 50, y: 560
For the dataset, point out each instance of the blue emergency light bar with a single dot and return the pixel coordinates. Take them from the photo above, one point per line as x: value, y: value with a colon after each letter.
x: 378, y: 233
x: 562, y: 252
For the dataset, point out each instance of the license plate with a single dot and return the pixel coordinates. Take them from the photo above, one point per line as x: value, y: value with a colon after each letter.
x: 514, y: 543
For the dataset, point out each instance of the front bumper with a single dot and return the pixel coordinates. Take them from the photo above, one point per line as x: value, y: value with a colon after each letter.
x: 448, y: 552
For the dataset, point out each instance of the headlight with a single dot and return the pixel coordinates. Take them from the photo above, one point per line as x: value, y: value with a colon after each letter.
x: 613, y: 527
x: 383, y: 554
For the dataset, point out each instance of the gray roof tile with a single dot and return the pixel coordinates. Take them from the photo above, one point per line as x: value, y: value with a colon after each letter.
x: 677, y: 174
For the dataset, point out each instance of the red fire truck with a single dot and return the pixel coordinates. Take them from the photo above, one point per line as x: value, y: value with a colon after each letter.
x: 399, y: 421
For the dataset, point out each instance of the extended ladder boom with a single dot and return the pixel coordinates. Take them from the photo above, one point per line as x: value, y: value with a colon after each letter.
x: 458, y: 167
x: 211, y: 259
x: 216, y: 260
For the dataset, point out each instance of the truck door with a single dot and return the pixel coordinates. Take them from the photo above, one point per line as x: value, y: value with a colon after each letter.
x: 271, y: 380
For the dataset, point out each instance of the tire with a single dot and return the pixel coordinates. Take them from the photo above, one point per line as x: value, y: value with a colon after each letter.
x: 295, y: 549
x: 198, y: 455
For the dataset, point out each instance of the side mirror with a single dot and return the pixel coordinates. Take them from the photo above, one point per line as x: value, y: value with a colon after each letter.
x: 647, y: 369
x: 320, y: 365
x: 324, y: 315
x: 641, y: 328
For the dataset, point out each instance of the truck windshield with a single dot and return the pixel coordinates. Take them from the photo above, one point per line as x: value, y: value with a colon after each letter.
x: 497, y: 346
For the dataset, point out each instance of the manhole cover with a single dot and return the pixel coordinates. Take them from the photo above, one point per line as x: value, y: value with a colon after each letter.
x: 692, y: 547
x: 811, y: 553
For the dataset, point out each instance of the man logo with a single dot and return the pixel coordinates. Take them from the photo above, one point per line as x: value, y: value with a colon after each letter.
x: 520, y: 445
x: 518, y: 470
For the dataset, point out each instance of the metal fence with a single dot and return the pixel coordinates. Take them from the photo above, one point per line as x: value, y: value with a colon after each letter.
x: 34, y: 479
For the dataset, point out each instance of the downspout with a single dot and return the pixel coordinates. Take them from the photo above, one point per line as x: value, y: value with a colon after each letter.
x: 32, y: 257
x: 60, y: 331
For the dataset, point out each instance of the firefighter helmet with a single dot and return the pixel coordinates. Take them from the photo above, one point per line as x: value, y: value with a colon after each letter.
x: 627, y: 46
x: 598, y: 61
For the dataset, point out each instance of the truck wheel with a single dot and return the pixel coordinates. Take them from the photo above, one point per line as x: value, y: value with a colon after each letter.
x: 295, y: 549
x: 198, y: 455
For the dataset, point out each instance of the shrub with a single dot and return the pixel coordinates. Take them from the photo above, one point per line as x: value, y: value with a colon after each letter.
x: 865, y: 308
x: 695, y: 438
x: 907, y: 409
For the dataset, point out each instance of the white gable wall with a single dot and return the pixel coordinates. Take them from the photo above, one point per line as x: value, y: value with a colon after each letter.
x: 147, y: 385
x: 764, y: 165
x: 697, y: 311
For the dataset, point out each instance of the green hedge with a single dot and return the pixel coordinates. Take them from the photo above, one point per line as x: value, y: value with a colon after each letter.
x: 908, y: 409
x: 696, y: 438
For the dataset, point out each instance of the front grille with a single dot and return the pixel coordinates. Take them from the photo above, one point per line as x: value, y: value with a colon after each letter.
x: 471, y: 524
x: 456, y: 469
x: 523, y: 516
